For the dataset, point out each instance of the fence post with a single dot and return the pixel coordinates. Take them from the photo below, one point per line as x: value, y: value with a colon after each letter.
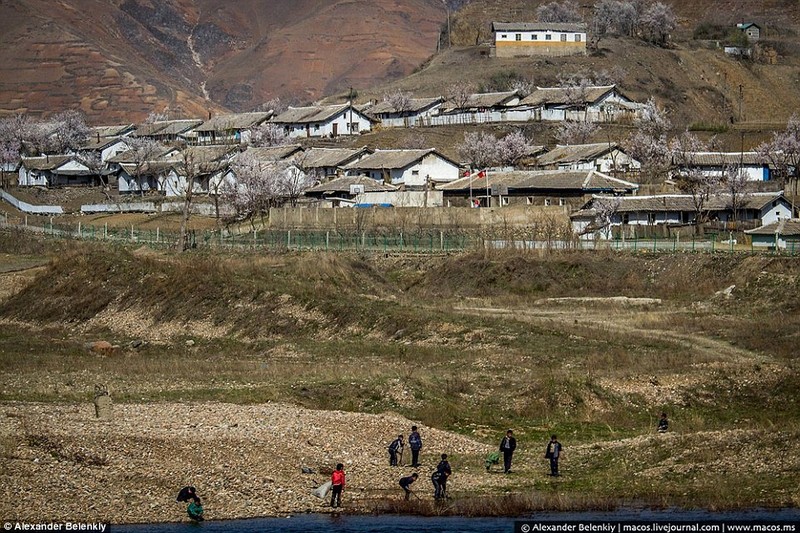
x: 255, y: 237
x: 441, y: 240
x: 105, y: 231
x: 158, y: 235
x: 363, y: 239
x: 655, y: 240
x: 80, y: 235
x: 288, y: 238
x: 327, y: 239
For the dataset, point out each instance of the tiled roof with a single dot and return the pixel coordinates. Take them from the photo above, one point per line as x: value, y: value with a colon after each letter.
x: 302, y: 115
x: 576, y: 152
x: 45, y: 162
x: 684, y: 202
x: 389, y: 159
x: 484, y: 100
x: 781, y: 227
x: 329, y: 157
x: 581, y: 180
x: 538, y: 26
x: 235, y: 121
x: 561, y: 95
x: 110, y: 131
x: 342, y: 185
x: 415, y: 105
x: 273, y: 153
x: 94, y: 144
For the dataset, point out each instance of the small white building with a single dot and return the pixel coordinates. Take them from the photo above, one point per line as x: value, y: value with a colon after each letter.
x: 778, y: 235
x: 55, y: 171
x: 601, y: 103
x: 105, y: 147
x: 327, y: 162
x: 229, y: 129
x: 717, y: 164
x: 479, y: 108
x: 416, y: 114
x: 323, y: 121
x: 136, y: 175
x: 413, y: 169
x: 602, y: 157
x: 515, y: 39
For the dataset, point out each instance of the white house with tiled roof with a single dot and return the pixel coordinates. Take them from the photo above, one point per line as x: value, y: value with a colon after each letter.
x: 410, y: 168
x: 323, y: 121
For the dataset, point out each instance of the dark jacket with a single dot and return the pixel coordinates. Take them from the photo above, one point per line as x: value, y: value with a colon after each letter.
x: 443, y: 469
x: 510, y: 446
x: 186, y: 494
x: 415, y: 441
x: 395, y: 445
x: 553, y: 450
x: 406, y: 481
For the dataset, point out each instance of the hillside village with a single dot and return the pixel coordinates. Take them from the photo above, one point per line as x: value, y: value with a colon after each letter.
x: 295, y: 156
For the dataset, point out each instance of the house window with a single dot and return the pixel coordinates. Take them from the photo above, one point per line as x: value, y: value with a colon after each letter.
x: 316, y: 127
x: 518, y: 37
x: 547, y: 201
x: 548, y: 37
x: 564, y: 37
x: 415, y: 172
x: 562, y: 201
x: 505, y: 200
x: 534, y: 37
x: 503, y: 36
x: 577, y: 37
x: 529, y: 200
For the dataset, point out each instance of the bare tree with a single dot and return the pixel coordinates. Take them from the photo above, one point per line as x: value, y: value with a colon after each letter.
x: 399, y: 101
x: 658, y: 21
x: 735, y: 183
x: 93, y: 160
x: 512, y: 148
x: 479, y: 149
x: 141, y: 153
x: 575, y: 132
x: 559, y: 12
x: 156, y: 116
x: 605, y: 208
x: 613, y: 17
x: 459, y: 93
x: 691, y: 179
x: 292, y: 181
x: 269, y: 134
x: 193, y: 166
x: 523, y: 86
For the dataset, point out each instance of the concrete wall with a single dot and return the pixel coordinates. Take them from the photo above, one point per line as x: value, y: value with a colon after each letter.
x: 32, y: 209
x: 398, y: 218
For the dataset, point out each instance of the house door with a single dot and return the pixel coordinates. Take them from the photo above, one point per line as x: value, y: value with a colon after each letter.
x: 335, y: 129
x: 308, y: 130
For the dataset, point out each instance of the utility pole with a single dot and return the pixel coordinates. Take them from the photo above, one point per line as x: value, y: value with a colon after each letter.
x: 741, y: 101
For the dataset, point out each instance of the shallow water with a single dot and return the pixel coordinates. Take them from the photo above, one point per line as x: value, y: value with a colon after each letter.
x: 415, y: 524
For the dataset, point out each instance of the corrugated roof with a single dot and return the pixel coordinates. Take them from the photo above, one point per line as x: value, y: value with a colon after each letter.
x: 583, y: 180
x: 234, y: 121
x: 389, y: 159
x: 561, y: 95
x: 329, y: 157
x: 781, y: 227
x: 302, y: 115
x: 575, y: 153
x: 415, y: 105
x: 539, y: 26
x: 342, y: 185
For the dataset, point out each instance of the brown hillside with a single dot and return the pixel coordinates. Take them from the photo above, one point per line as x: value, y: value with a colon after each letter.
x: 122, y: 59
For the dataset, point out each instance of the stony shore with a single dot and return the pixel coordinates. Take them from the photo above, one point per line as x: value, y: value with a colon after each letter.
x: 59, y: 462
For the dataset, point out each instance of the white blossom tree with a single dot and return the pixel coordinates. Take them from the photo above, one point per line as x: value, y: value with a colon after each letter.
x: 69, y: 132
x: 575, y: 132
x: 649, y: 143
x: 565, y: 11
x: 479, y: 149
x: 782, y: 152
x: 605, y: 209
x: 254, y: 189
x: 268, y: 134
x: 399, y: 101
x: 657, y: 21
x: 512, y: 148
x: 690, y: 178
x: 736, y: 185
x: 523, y: 86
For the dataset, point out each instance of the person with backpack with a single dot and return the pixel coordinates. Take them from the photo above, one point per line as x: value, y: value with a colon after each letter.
x: 507, y: 446
x: 405, y: 482
x: 439, y: 478
x: 394, y: 447
x: 415, y: 443
x: 553, y: 452
x: 337, y: 485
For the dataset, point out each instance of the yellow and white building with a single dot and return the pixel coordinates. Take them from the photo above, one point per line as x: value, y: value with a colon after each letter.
x: 514, y: 39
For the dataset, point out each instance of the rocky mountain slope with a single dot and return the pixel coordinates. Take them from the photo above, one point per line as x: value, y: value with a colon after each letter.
x: 122, y: 59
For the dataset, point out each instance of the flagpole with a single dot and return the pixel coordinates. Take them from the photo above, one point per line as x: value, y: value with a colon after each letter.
x: 471, y: 201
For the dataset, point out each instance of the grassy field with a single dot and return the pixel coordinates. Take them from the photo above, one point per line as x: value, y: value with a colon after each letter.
x: 472, y: 344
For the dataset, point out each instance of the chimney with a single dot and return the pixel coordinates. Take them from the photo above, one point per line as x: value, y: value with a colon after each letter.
x: 209, y: 114
x: 98, y: 136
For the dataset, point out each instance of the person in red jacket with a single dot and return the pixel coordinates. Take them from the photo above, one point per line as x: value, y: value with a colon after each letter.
x: 337, y: 485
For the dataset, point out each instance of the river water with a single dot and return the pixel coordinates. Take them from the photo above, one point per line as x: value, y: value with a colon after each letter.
x: 414, y: 524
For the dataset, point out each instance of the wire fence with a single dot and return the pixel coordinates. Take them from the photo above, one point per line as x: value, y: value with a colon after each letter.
x: 416, y: 242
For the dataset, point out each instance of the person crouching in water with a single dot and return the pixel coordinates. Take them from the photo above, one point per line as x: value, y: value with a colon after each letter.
x: 195, y: 510
x: 406, y: 482
x: 337, y: 485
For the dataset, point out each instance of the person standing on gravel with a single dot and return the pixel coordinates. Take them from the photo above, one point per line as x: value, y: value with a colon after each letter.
x: 415, y: 443
x: 507, y: 446
x: 337, y: 485
x: 553, y: 452
x: 395, y: 447
x: 663, y: 423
